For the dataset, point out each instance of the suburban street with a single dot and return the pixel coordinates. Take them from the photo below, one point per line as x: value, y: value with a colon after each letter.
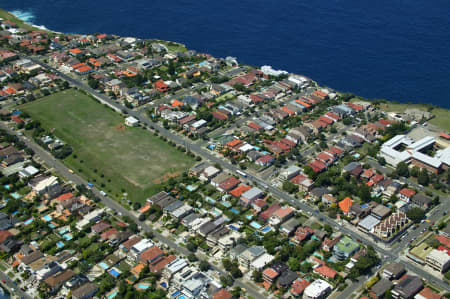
x: 386, y: 255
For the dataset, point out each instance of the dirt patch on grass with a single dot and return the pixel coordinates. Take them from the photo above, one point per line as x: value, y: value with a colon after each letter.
x: 120, y: 127
x: 166, y: 177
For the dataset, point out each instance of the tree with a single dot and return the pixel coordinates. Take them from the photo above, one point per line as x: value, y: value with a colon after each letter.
x: 290, y: 187
x: 416, y: 214
x: 227, y: 280
x: 402, y: 169
x: 415, y: 171
x: 423, y: 178
x: 257, y: 276
x: 204, y: 266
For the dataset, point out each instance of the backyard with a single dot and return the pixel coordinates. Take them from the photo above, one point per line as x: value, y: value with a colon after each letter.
x: 112, y: 156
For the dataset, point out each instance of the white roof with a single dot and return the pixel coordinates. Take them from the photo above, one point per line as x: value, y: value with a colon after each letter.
x: 246, y: 147
x: 440, y: 256
x: 199, y: 123
x: 142, y: 245
x: 50, y: 181
x: 369, y: 222
x: 262, y: 261
x: 176, y: 265
x: 131, y: 120
x: 426, y: 159
x: 211, y: 170
x: 317, y: 288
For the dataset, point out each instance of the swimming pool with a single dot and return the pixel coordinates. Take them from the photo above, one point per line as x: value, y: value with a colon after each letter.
x: 68, y: 237
x: 176, y: 294
x: 255, y: 225
x: 249, y: 217
x: 226, y: 204
x: 7, y: 187
x: 182, y: 297
x: 26, y: 222
x: 60, y: 244
x: 64, y: 230
x: 234, y: 211
x: 103, y: 265
x: 266, y: 229
x: 16, y: 195
x: 114, y: 272
x: 143, y: 286
x: 112, y: 295
x: 51, y: 225
x: 47, y: 218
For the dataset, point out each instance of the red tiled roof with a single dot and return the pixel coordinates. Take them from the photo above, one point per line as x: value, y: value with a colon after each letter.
x: 222, y: 294
x: 445, y: 135
x: 298, y: 179
x: 444, y: 240
x: 427, y: 293
x: 234, y: 142
x: 271, y: 273
x: 325, y: 271
x: 407, y: 192
x: 239, y: 190
x: 345, y: 204
x: 298, y: 286
x: 151, y: 254
x: 108, y: 233
x: 4, y: 234
x: 64, y: 196
x: 229, y: 183
x: 269, y: 212
x: 254, y: 126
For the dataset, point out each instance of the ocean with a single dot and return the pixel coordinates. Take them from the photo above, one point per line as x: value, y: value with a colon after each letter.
x: 396, y: 50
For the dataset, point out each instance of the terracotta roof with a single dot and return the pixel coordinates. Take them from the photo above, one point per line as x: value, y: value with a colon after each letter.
x: 407, y: 192
x: 427, y: 293
x: 271, y: 273
x: 151, y: 253
x: 443, y: 240
x: 345, y: 204
x: 64, y: 196
x: 325, y: 271
x: 4, y: 234
x: 239, y: 190
x: 222, y: 294
x: 161, y: 263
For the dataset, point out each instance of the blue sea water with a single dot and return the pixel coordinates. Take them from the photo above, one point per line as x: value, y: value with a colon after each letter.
x: 397, y: 50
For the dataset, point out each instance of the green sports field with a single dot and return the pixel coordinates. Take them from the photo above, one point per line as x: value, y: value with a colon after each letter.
x: 113, y: 157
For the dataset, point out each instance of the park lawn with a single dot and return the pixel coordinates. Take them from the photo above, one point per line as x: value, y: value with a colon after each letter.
x: 441, y: 119
x: 112, y: 156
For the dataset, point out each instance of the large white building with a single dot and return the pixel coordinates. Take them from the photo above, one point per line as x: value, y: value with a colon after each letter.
x: 438, y: 260
x: 402, y: 148
x: 317, y: 290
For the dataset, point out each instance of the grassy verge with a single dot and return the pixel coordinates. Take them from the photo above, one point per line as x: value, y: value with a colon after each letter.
x: 5, y: 15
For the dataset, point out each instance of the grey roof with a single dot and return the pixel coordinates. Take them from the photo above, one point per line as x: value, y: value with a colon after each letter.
x: 173, y: 206
x: 350, y: 166
x: 255, y: 191
x: 395, y: 268
x: 420, y: 199
x: 238, y: 249
x: 409, y: 286
x: 381, y: 211
x: 287, y: 278
x: 369, y: 222
x: 256, y: 250
x: 290, y: 225
x: 319, y: 191
x: 189, y: 218
x: 382, y: 287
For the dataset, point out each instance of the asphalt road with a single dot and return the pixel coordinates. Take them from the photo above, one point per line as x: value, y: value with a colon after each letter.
x: 386, y: 255
x: 10, y: 285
